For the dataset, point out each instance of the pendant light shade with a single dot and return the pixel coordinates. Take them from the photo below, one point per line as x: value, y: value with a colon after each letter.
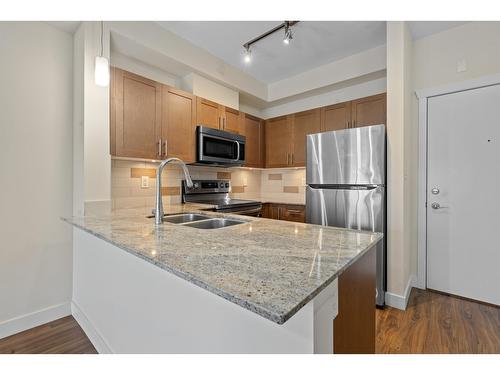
x: 101, y: 68
x: 101, y: 71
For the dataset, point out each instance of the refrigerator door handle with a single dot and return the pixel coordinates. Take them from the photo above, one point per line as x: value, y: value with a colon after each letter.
x: 344, y: 187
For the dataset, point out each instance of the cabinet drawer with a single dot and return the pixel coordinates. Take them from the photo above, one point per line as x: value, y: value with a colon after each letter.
x: 293, y: 213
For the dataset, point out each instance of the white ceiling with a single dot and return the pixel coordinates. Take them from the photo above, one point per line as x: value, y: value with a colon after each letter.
x: 67, y: 26
x: 421, y: 29
x: 315, y: 43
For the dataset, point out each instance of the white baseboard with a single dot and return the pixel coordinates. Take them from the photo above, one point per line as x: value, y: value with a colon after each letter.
x: 92, y: 333
x: 34, y: 319
x: 400, y: 301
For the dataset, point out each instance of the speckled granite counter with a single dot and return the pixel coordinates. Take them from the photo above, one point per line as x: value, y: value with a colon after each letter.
x: 270, y: 267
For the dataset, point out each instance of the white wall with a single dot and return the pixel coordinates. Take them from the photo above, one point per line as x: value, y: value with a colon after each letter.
x: 360, y: 64
x: 201, y: 86
x: 399, y: 91
x: 354, y: 91
x: 133, y: 65
x: 436, y: 56
x: 435, y: 59
x: 36, y: 98
x: 97, y: 159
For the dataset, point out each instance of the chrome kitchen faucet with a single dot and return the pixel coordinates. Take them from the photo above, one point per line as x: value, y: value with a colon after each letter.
x: 159, y: 203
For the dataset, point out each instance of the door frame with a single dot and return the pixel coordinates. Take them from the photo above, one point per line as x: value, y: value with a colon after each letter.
x: 423, y: 96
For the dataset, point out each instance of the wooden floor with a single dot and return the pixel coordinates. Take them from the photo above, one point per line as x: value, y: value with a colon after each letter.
x: 62, y: 336
x: 432, y: 323
x: 435, y: 323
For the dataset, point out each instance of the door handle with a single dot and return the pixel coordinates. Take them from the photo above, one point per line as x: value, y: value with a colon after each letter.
x: 437, y: 206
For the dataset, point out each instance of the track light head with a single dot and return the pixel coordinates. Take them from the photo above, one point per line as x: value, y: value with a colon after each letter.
x: 247, y: 57
x: 288, y: 34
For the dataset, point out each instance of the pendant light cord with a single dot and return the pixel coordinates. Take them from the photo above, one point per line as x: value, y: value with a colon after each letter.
x: 102, y: 32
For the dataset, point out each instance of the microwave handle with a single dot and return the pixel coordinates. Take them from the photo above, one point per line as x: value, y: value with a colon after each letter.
x: 237, y: 151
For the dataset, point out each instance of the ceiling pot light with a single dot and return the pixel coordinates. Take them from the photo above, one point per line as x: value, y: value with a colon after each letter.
x: 101, y: 68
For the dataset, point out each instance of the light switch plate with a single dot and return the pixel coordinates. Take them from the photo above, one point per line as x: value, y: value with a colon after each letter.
x: 144, y: 182
x: 461, y: 66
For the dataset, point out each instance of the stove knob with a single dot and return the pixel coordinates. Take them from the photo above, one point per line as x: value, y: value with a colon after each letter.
x: 227, y: 184
x: 221, y: 184
x: 196, y: 185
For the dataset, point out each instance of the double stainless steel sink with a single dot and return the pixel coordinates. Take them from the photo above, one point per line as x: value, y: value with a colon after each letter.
x: 200, y: 221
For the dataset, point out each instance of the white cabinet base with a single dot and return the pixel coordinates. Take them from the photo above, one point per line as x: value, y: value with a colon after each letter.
x: 128, y: 305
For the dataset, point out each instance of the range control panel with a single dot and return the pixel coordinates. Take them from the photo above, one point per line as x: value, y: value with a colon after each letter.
x: 207, y: 186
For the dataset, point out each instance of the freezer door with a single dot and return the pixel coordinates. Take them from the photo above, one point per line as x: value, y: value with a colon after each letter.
x: 347, y: 157
x: 360, y: 208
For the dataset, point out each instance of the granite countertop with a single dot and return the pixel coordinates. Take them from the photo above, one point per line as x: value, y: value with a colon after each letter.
x: 270, y: 267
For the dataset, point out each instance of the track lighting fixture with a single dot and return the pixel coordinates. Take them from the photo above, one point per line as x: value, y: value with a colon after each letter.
x: 287, y: 25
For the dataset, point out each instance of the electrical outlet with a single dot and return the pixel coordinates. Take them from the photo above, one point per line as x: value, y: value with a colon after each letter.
x: 144, y: 182
x: 461, y: 66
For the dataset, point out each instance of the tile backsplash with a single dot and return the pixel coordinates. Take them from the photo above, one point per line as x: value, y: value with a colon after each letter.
x: 273, y: 185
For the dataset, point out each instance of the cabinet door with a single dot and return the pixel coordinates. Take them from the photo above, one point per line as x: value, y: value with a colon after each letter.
x: 295, y: 213
x: 369, y: 111
x: 208, y: 113
x: 232, y: 121
x: 278, y: 141
x: 137, y: 116
x: 336, y: 117
x: 254, y: 145
x: 271, y: 211
x: 304, y: 123
x: 178, y: 124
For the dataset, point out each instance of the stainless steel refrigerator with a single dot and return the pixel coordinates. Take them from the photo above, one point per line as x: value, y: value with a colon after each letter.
x: 345, y: 179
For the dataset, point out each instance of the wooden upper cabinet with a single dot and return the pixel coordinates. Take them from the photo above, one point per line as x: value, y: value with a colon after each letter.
x: 136, y: 116
x: 278, y: 141
x: 304, y: 123
x: 232, y: 121
x: 254, y: 146
x: 336, y: 117
x: 208, y: 113
x: 369, y: 111
x: 179, y: 124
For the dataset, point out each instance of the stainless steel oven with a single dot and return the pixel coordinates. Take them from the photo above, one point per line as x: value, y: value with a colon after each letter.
x: 219, y: 147
x: 215, y: 193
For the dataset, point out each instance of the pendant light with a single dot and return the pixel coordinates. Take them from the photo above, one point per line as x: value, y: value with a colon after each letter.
x: 101, y: 65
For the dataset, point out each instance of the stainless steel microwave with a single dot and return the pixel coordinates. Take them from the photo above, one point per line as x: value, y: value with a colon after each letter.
x: 219, y: 147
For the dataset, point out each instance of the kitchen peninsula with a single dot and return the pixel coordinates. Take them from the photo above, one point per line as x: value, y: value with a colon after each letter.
x: 262, y: 286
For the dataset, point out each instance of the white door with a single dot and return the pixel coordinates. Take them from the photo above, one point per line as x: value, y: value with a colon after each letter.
x: 463, y: 194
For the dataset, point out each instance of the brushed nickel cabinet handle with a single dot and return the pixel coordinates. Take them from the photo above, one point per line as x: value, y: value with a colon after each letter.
x: 294, y: 212
x: 165, y: 148
x: 292, y: 159
x: 159, y: 147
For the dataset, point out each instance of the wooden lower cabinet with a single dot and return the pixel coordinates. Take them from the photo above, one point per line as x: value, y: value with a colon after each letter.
x: 354, y: 326
x: 287, y: 212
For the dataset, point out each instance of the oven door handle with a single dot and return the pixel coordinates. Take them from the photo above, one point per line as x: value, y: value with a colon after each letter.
x: 247, y: 212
